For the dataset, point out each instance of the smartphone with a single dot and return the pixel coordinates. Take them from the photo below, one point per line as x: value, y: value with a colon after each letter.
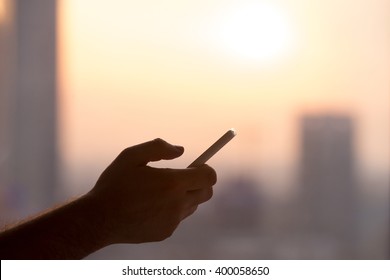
x: 213, y: 149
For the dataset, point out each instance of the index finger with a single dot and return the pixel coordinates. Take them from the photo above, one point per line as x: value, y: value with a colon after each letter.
x: 195, y: 178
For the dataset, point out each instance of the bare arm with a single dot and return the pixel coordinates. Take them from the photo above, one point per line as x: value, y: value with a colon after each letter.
x: 71, y: 231
x: 130, y: 203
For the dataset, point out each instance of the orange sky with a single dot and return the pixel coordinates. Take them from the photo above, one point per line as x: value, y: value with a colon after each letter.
x: 131, y: 71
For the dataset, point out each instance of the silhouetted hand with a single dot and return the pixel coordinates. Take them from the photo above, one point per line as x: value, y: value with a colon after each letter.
x: 130, y: 203
x: 140, y: 203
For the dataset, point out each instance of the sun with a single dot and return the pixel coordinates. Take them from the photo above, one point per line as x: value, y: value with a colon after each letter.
x: 256, y: 31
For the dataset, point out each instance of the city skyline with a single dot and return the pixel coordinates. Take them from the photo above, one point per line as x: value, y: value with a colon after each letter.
x: 131, y: 72
x: 310, y: 104
x: 325, y: 218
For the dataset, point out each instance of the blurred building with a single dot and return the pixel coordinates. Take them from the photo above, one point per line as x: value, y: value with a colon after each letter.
x: 328, y: 185
x: 28, y: 104
x: 238, y: 206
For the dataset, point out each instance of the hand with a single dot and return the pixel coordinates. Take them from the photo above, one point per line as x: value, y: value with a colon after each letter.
x: 139, y: 203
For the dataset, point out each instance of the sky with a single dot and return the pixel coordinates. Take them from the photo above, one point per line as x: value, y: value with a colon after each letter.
x: 186, y: 71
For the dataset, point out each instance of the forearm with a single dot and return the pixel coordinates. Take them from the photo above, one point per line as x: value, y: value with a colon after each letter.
x: 72, y: 231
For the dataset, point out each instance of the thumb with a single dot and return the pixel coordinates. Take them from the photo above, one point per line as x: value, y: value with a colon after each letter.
x: 154, y: 150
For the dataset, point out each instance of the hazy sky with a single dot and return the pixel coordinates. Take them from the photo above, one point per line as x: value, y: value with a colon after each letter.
x: 186, y: 71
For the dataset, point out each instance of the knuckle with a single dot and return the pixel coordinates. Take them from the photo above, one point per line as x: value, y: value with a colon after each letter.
x: 126, y: 152
x: 159, y: 142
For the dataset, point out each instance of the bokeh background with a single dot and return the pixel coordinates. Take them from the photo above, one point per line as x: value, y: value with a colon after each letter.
x: 305, y: 83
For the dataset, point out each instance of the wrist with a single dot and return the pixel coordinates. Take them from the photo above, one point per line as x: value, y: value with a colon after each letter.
x: 99, y: 222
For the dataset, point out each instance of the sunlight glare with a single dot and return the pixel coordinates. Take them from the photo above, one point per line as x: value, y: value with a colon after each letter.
x: 2, y: 11
x: 257, y: 31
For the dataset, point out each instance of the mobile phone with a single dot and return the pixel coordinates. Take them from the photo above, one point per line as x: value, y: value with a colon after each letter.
x: 213, y: 149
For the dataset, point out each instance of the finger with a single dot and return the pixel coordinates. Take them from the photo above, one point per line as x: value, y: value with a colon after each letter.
x: 200, y: 196
x: 154, y: 150
x: 195, y: 178
x: 189, y: 212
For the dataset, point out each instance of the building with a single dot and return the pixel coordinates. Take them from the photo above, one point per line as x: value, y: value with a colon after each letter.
x: 28, y: 140
x: 328, y: 188
x: 239, y: 205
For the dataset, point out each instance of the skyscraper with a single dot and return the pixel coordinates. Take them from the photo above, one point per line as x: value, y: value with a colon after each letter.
x: 327, y: 182
x: 28, y: 95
